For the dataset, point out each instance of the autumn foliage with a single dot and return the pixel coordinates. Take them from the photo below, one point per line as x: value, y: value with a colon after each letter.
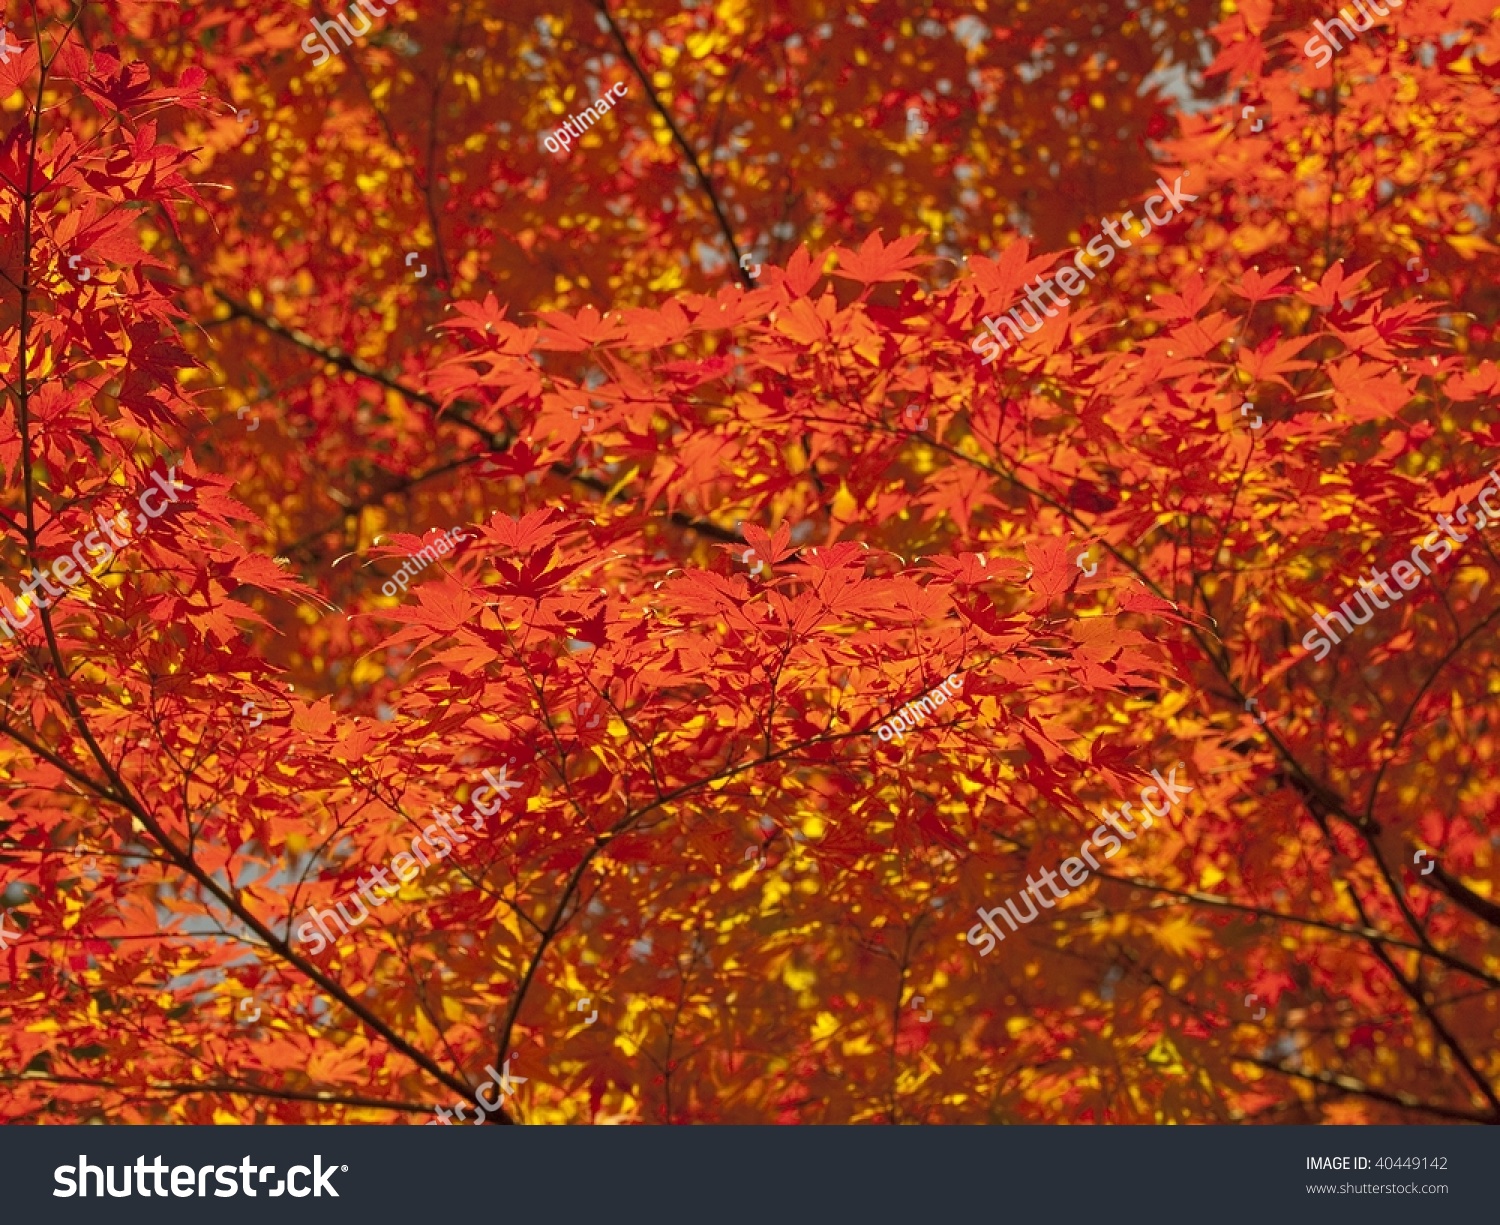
x: 724, y: 516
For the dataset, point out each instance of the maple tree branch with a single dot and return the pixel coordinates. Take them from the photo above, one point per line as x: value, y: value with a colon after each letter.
x: 772, y: 681
x: 354, y: 507
x: 322, y: 1097
x: 1312, y: 792
x: 1357, y: 1088
x: 601, y: 841
x: 23, y: 416
x: 903, y: 965
x: 724, y: 95
x: 539, y: 695
x: 1333, y: 165
x: 434, y: 176
x: 119, y: 793
x: 1239, y: 486
x: 561, y: 915
x: 1376, y: 942
x: 499, y: 443
x: 1419, y: 997
x: 1219, y: 660
x: 1413, y: 990
x: 424, y: 182
x: 1416, y: 701
x: 345, y: 360
x: 1315, y: 791
x: 23, y: 390
x: 1461, y: 896
x: 742, y: 274
x: 395, y: 803
x: 668, y: 1065
x: 549, y: 933
x: 426, y: 1005
x: 1366, y: 933
x: 1440, y: 879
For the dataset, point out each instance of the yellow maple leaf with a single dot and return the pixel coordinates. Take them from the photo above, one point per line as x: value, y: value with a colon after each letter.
x: 1165, y: 1056
x: 1180, y: 935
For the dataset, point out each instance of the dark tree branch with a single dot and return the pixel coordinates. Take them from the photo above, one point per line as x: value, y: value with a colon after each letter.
x: 322, y: 1097
x: 1357, y: 1088
x: 741, y: 274
x: 499, y: 442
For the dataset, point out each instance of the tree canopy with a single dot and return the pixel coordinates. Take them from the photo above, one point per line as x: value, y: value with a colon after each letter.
x: 723, y: 486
